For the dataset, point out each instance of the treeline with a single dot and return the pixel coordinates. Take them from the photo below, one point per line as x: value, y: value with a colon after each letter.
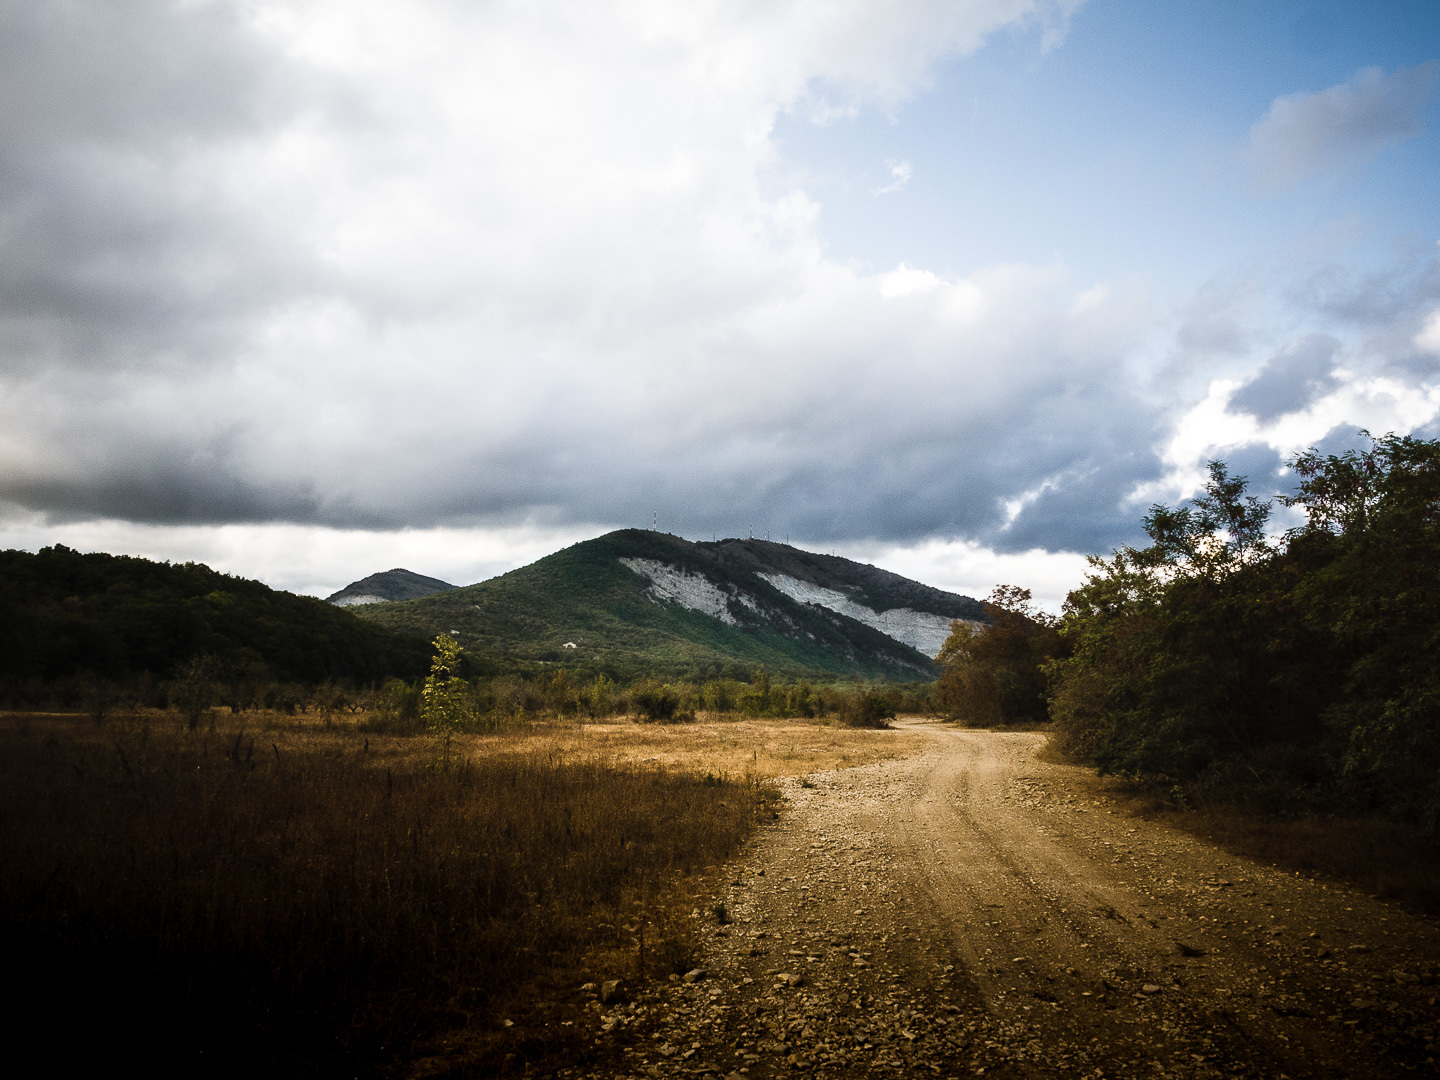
x: 494, y: 703
x: 1300, y: 671
x: 69, y: 619
x: 484, y: 703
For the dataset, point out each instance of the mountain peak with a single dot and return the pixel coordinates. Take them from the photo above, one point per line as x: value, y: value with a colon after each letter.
x: 637, y: 601
x: 388, y: 585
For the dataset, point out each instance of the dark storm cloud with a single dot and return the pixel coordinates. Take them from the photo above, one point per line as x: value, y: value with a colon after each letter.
x: 1385, y: 308
x: 1290, y: 380
x: 168, y: 493
x: 135, y: 75
x: 1343, y: 439
x: 465, y: 277
x: 117, y: 248
x: 1087, y: 512
x: 1259, y: 464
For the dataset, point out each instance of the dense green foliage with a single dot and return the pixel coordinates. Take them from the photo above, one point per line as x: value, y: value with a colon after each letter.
x: 64, y: 615
x: 489, y: 704
x: 1304, y: 669
x: 995, y: 675
x: 585, y: 596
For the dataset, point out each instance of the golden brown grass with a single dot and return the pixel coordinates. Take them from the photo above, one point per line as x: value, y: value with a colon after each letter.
x: 764, y: 749
x: 315, y: 899
x: 316, y: 902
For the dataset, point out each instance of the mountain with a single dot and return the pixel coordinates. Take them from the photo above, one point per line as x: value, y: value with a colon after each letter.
x: 394, y: 584
x: 64, y: 614
x: 635, y: 602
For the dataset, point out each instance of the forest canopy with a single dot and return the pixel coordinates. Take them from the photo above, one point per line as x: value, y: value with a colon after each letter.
x: 1303, y: 666
x: 64, y: 614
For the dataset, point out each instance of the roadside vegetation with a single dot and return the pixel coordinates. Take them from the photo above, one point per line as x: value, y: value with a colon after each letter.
x: 491, y: 704
x: 995, y: 677
x: 321, y: 880
x: 475, y: 703
x: 1300, y: 672
x: 1278, y: 691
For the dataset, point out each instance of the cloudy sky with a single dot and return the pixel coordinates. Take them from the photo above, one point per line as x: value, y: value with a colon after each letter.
x: 311, y: 288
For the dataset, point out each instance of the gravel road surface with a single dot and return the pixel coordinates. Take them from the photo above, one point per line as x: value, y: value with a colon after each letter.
x: 972, y: 910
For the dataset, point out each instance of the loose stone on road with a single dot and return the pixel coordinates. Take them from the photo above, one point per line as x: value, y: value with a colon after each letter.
x: 974, y: 910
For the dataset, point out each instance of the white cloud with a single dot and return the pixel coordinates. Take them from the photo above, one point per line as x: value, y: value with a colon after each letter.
x: 366, y: 284
x: 973, y: 570
x: 1428, y: 339
x: 482, y: 265
x: 1304, y: 134
x: 908, y: 281
x: 900, y: 172
x: 1210, y: 430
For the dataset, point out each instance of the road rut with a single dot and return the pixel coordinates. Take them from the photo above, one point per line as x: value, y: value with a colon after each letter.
x: 974, y: 909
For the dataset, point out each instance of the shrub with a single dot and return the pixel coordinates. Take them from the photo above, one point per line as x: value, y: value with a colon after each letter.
x: 598, y: 699
x: 755, y: 699
x: 721, y: 695
x: 395, y: 708
x: 195, y: 691
x: 868, y: 708
x: 659, y: 702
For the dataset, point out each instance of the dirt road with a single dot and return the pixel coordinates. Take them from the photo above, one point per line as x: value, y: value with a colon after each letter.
x: 972, y: 910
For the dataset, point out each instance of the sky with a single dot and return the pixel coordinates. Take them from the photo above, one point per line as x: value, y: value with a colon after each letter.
x: 314, y: 288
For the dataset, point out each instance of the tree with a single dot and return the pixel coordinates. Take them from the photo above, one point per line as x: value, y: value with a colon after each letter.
x: 443, y: 705
x: 992, y: 675
x: 1167, y: 668
x: 1302, y: 668
x: 194, y: 692
x: 1372, y: 588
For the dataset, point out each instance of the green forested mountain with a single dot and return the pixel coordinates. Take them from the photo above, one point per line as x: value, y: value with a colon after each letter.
x: 64, y: 614
x: 397, y: 584
x: 635, y: 602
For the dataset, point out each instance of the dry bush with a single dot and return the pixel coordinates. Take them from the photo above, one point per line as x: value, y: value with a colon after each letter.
x: 231, y: 899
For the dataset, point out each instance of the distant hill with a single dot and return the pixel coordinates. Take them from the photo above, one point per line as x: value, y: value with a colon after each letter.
x: 64, y: 614
x: 388, y: 585
x: 635, y: 602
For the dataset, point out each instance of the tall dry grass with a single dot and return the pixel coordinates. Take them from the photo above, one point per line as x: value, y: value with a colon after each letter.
x: 319, y: 902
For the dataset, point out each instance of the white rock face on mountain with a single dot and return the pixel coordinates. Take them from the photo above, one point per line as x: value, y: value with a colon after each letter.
x: 694, y: 591
x: 356, y: 601
x: 920, y: 629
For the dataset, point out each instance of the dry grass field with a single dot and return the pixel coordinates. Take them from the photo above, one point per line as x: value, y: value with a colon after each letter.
x: 313, y: 898
x: 762, y: 749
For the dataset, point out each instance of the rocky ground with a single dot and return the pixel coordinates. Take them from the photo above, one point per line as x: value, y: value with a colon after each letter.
x: 972, y: 910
